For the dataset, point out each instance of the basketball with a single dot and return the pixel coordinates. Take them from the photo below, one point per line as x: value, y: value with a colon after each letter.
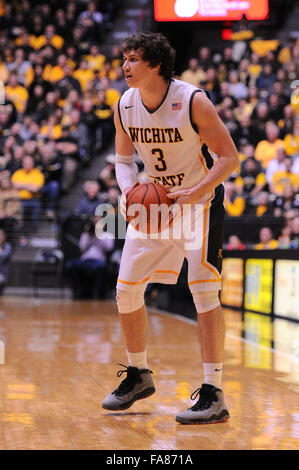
x: 148, y: 207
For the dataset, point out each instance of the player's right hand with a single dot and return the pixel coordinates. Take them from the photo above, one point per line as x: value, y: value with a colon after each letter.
x: 123, y: 200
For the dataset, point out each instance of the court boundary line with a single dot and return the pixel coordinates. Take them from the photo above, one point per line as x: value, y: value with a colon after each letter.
x: 232, y: 336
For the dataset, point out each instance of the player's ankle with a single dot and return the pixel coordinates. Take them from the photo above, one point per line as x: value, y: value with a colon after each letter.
x: 213, y: 373
x: 137, y: 359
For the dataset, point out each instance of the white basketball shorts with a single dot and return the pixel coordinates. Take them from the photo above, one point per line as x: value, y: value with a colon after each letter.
x: 147, y: 260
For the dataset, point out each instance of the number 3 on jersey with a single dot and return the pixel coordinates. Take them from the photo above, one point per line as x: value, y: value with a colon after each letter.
x: 161, y: 166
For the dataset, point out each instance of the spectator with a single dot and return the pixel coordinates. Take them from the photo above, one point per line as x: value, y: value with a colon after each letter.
x: 104, y: 114
x: 284, y: 238
x: 283, y: 178
x: 111, y: 94
x: 21, y: 67
x: 254, y: 68
x: 92, y: 21
x: 83, y: 74
x: 92, y: 125
x: 68, y: 151
x: 51, y: 168
x: 265, y: 80
x: 88, y: 203
x: 95, y: 245
x: 278, y: 89
x: 228, y: 60
x: 29, y: 181
x: 277, y: 164
x: 264, y: 206
x: 10, y: 207
x: 247, y: 130
x: 295, y: 233
x: 51, y: 128
x: 266, y: 149
x: 5, y: 255
x: 251, y: 180
x: 119, y: 83
x: 95, y: 59
x: 221, y: 72
x: 68, y: 83
x: 107, y: 176
x: 16, y: 93
x: 286, y: 202
x: 260, y: 116
x: 244, y: 75
x: 56, y: 72
x: 194, y: 74
x: 234, y: 243
x: 211, y: 84
x: 236, y: 88
x: 267, y: 242
x: 234, y: 202
x: 275, y: 108
x: 291, y: 141
x: 204, y: 60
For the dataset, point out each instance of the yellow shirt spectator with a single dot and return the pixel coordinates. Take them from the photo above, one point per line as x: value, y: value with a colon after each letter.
x: 53, y: 74
x: 84, y: 76
x: 281, y: 179
x: 262, y: 47
x: 18, y: 95
x: 259, y: 180
x: 52, y: 132
x: 37, y: 42
x: 265, y: 151
x: 95, y: 62
x: 254, y: 70
x: 193, y: 76
x: 236, y: 207
x: 271, y: 245
x: 112, y: 97
x: 34, y: 177
x: 291, y: 144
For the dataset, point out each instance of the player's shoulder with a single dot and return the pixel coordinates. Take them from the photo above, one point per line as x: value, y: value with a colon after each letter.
x: 127, y: 97
x: 186, y: 90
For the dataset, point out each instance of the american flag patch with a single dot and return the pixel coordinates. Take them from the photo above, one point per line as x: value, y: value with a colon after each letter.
x: 176, y: 106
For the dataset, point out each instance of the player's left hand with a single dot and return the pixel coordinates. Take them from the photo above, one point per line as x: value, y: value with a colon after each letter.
x: 185, y: 196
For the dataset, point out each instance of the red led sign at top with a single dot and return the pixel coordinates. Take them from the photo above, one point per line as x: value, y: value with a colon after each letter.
x: 210, y: 10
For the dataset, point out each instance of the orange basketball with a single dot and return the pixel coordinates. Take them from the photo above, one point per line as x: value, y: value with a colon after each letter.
x: 148, y: 207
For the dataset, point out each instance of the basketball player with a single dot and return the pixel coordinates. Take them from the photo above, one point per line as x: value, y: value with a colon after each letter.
x: 185, y: 146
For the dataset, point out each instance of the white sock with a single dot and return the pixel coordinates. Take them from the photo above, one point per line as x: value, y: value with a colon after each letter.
x: 213, y: 373
x: 137, y: 359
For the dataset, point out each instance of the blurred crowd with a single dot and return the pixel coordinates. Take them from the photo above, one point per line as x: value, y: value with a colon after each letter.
x: 56, y: 111
x: 257, y: 96
x: 56, y: 115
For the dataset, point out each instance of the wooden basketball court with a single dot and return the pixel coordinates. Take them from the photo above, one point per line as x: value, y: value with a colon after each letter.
x: 61, y: 360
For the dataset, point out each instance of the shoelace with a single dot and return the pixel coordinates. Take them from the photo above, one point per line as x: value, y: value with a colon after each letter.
x: 206, y: 398
x: 128, y: 383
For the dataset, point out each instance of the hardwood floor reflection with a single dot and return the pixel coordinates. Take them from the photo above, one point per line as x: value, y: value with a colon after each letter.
x: 61, y: 360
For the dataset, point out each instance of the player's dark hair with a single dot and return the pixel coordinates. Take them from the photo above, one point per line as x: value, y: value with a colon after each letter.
x: 155, y: 49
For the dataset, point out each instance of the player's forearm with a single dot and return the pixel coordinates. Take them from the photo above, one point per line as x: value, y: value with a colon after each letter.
x: 126, y: 171
x: 220, y: 171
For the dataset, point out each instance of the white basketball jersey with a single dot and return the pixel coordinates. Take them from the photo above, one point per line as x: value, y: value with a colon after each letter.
x: 167, y: 142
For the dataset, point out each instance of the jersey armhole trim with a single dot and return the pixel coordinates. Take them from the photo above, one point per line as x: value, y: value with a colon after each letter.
x: 198, y: 90
x: 119, y: 114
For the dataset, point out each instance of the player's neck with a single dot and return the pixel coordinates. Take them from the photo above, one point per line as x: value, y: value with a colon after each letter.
x: 154, y: 92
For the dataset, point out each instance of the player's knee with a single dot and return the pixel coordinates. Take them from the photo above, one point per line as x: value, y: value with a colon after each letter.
x: 129, y: 300
x: 206, y: 300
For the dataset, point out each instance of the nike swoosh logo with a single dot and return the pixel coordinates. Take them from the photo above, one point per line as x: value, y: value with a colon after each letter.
x: 127, y: 107
x: 217, y: 370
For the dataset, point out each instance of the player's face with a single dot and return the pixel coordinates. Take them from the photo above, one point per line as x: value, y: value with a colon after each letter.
x: 137, y: 72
